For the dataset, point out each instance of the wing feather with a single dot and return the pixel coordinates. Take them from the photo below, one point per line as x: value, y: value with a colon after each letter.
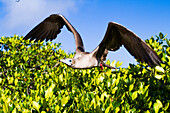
x: 51, y: 27
x: 117, y: 35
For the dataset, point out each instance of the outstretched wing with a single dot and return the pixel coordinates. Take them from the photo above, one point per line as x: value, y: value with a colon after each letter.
x: 117, y: 35
x: 50, y: 27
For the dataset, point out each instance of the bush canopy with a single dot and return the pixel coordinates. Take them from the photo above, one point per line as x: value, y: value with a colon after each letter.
x: 32, y: 79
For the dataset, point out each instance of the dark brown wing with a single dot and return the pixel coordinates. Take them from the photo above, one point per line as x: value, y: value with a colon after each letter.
x: 117, y: 35
x: 50, y: 27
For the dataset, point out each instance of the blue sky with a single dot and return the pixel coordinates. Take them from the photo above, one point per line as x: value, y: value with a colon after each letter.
x: 145, y: 18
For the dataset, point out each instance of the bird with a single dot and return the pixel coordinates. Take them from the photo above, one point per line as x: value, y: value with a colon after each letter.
x: 116, y: 36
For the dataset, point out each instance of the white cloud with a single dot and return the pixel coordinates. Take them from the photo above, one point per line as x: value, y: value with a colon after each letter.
x: 29, y: 12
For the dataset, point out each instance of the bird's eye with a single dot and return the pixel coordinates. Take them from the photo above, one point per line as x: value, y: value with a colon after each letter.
x: 69, y: 60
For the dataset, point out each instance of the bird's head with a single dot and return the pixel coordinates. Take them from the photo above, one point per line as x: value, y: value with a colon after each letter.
x: 68, y: 61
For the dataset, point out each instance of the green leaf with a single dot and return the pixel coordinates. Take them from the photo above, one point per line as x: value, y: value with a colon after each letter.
x: 159, y: 76
x: 107, y: 109
x: 166, y: 106
x: 14, y: 111
x: 159, y: 69
x: 64, y: 111
x: 147, y: 111
x: 64, y: 100
x: 134, y: 95
x: 168, y: 42
x: 49, y: 92
x: 0, y: 80
x: 36, y: 105
x: 118, y: 64
x: 57, y: 109
x: 97, y: 100
x: 117, y: 109
x: 161, y: 35
x: 113, y: 63
x: 157, y: 105
x: 6, y: 108
x: 150, y: 104
x: 114, y: 90
x: 103, y: 95
x: 131, y: 87
x: 43, y: 112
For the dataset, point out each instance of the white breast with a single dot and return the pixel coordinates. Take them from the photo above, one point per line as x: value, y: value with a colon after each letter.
x: 85, y: 61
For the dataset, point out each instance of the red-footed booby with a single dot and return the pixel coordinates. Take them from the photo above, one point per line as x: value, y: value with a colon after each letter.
x: 116, y: 36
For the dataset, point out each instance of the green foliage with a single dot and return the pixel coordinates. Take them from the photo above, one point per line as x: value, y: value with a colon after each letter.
x: 33, y: 80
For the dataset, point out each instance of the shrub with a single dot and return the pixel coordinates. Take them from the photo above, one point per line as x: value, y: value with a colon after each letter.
x: 32, y: 79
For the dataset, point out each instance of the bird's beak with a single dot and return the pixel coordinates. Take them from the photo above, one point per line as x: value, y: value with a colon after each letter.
x: 63, y: 60
x: 66, y: 61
